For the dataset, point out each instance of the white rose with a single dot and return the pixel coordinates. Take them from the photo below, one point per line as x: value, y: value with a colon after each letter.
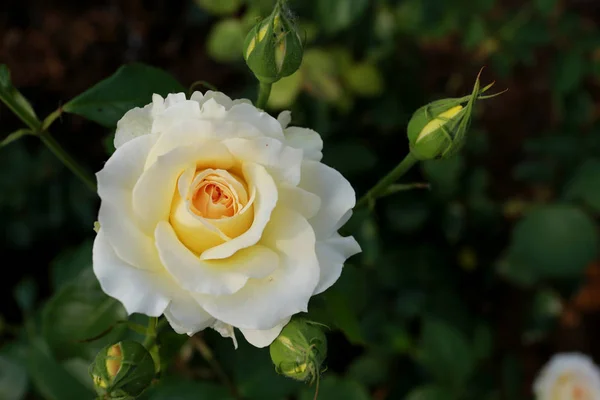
x: 217, y: 215
x: 568, y: 376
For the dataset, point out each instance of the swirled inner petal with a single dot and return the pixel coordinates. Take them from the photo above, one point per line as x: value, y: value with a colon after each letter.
x: 153, y: 192
x: 214, y: 277
x: 262, y: 303
x: 257, y: 179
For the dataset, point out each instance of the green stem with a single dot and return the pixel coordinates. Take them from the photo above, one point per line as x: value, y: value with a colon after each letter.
x: 379, y: 189
x: 154, y: 325
x: 150, y: 339
x: 264, y: 91
x: 67, y: 160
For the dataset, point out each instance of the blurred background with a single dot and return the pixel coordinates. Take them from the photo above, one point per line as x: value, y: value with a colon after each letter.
x: 463, y: 290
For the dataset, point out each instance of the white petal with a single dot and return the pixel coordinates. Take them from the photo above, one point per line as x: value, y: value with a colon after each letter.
x: 115, y: 185
x: 266, y: 124
x: 193, y: 131
x: 153, y: 192
x: 129, y: 243
x: 336, y: 193
x: 257, y: 178
x: 284, y: 118
x: 575, y: 368
x: 177, y: 111
x: 332, y: 253
x: 174, y: 98
x: 263, y: 338
x: 186, y: 316
x: 263, y: 303
x: 214, y: 277
x: 307, y: 140
x: 140, y: 291
x: 282, y: 162
x: 137, y: 121
x: 226, y: 331
x: 219, y: 97
x: 122, y: 170
x: 306, y: 203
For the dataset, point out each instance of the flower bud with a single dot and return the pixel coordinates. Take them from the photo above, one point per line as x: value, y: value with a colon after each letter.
x: 273, y: 48
x: 439, y: 129
x: 123, y: 370
x: 299, y: 350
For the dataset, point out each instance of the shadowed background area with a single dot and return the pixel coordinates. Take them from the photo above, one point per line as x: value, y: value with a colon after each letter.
x: 486, y: 274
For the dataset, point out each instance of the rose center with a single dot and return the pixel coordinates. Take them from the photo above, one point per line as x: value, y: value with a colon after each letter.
x: 213, y: 197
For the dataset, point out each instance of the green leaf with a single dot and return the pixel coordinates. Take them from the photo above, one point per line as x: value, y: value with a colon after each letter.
x: 15, y: 100
x: 285, y: 91
x: 364, y: 79
x: 555, y: 240
x: 131, y: 86
x: 13, y: 379
x: 226, y: 40
x: 219, y: 7
x: 321, y: 75
x: 585, y: 184
x: 69, y: 264
x: 334, y: 388
x: 15, y: 136
x: 445, y: 353
x: 81, y: 311
x: 51, y: 379
x: 337, y: 15
x: 430, y: 392
x: 79, y: 369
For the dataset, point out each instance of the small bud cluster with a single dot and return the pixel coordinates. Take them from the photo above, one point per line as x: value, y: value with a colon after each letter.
x: 439, y: 129
x: 299, y: 350
x: 122, y: 371
x: 273, y: 48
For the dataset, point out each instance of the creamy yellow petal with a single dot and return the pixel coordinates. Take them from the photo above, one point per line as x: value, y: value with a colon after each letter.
x: 215, y: 277
x: 257, y: 178
x: 154, y: 191
x: 262, y: 303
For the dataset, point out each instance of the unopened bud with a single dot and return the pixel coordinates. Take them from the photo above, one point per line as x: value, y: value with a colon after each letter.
x: 273, y: 48
x: 123, y: 370
x: 299, y: 350
x: 439, y: 129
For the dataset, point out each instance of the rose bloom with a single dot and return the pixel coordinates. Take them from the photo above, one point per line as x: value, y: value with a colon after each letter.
x: 568, y: 376
x: 218, y: 215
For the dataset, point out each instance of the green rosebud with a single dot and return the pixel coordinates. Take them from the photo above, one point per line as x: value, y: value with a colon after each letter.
x: 439, y: 129
x: 299, y: 350
x: 122, y: 371
x: 273, y: 48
